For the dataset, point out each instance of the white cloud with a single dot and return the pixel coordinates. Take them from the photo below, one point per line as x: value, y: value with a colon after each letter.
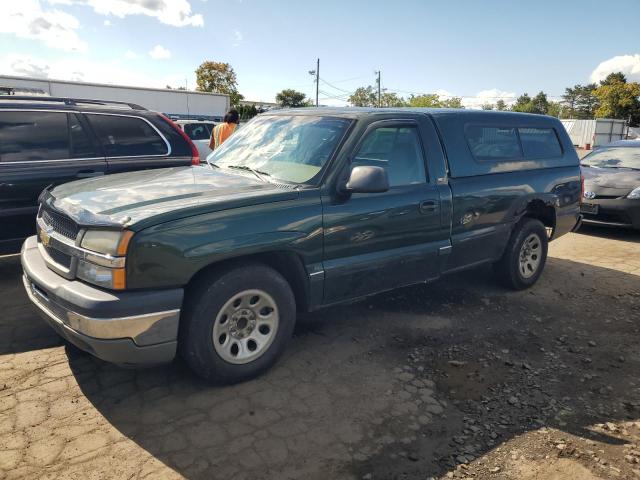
x: 490, y: 96
x: 131, y: 55
x: 81, y: 69
x: 237, y: 38
x: 171, y: 12
x: 28, y: 19
x: 107, y: 23
x: 627, y: 64
x: 159, y: 53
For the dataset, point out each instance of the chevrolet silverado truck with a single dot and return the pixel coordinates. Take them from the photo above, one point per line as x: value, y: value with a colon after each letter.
x: 298, y: 210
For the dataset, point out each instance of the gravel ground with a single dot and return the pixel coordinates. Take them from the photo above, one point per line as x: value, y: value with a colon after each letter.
x: 457, y: 379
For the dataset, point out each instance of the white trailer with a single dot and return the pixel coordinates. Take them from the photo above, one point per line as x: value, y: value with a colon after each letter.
x: 593, y: 133
x: 178, y: 104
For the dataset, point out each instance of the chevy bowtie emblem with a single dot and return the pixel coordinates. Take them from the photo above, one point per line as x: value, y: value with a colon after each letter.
x: 45, y: 236
x: 588, y: 194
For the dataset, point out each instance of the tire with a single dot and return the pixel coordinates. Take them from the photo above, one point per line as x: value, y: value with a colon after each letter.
x: 513, y: 273
x: 220, y: 313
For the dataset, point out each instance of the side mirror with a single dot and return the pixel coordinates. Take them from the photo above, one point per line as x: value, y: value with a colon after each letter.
x: 367, y: 179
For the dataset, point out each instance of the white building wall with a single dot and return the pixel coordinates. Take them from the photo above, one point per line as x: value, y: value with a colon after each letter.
x: 172, y: 102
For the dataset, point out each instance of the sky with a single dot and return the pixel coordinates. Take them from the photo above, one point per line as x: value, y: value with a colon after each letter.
x: 478, y: 50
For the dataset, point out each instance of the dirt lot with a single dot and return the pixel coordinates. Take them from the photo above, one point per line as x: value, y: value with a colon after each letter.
x: 458, y: 379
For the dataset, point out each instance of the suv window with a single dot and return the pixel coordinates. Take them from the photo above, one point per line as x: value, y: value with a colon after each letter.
x: 33, y: 136
x: 398, y: 150
x: 198, y: 131
x: 81, y: 144
x: 493, y: 143
x: 539, y: 142
x: 124, y: 136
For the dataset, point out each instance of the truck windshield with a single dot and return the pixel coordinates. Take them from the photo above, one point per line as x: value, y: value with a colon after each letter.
x: 623, y: 157
x: 289, y: 148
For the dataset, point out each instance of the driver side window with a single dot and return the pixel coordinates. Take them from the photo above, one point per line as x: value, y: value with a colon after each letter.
x: 398, y: 150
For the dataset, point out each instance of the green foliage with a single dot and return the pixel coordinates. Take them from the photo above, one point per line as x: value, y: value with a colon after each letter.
x: 364, y: 97
x: 391, y: 100
x: 554, y: 109
x: 538, y: 104
x: 618, y: 99
x: 247, y: 111
x: 430, y: 100
x: 487, y: 106
x: 579, y: 102
x: 501, y: 105
x: 613, y: 78
x: 454, y: 102
x: 218, y: 77
x: 292, y: 98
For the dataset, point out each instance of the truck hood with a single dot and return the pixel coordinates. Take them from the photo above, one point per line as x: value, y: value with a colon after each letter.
x: 610, y: 181
x: 154, y: 196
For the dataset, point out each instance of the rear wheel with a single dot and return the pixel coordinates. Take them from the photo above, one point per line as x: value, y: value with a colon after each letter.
x: 525, y: 255
x: 237, y: 323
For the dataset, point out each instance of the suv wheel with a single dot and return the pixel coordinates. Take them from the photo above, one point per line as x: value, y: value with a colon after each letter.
x: 525, y: 255
x: 237, y: 323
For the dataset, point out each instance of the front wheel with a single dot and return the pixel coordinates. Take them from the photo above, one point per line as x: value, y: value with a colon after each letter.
x: 525, y: 255
x: 237, y: 323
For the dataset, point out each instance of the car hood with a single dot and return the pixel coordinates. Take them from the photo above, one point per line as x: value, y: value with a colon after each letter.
x: 153, y: 196
x: 610, y: 181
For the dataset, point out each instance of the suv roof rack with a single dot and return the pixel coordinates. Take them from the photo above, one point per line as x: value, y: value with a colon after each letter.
x: 69, y: 101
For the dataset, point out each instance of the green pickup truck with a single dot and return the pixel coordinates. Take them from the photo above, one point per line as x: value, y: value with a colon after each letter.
x: 298, y: 210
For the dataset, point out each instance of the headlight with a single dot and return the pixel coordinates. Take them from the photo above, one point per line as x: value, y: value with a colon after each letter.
x: 112, y: 278
x: 635, y: 193
x: 105, y: 268
x: 108, y: 242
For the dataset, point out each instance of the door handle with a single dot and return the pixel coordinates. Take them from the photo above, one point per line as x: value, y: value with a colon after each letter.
x: 88, y: 174
x: 428, y: 206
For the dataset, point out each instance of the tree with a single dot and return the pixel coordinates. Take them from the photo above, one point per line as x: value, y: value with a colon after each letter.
x: 391, y: 100
x: 218, y: 77
x: 291, y: 98
x: 612, y: 78
x: 579, y: 102
x: 364, y: 97
x: 554, y: 109
x: 487, y: 106
x: 618, y: 99
x: 501, y: 105
x: 538, y: 104
x: 430, y: 100
x: 523, y: 104
x: 453, y: 102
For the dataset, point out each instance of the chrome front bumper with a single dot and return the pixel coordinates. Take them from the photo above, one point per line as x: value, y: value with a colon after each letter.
x: 128, y: 328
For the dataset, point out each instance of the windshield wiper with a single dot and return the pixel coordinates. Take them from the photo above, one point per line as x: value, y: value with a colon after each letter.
x: 258, y: 173
x: 211, y: 164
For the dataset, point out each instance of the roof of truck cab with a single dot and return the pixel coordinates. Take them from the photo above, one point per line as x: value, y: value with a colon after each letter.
x: 355, y: 112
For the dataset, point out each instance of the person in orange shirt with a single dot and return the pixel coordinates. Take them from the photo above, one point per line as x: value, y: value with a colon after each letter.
x: 223, y: 130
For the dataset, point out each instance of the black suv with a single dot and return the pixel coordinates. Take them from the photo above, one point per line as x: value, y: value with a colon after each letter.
x: 46, y: 141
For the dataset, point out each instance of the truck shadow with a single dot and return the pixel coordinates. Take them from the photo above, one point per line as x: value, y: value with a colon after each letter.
x: 390, y: 385
x: 21, y: 330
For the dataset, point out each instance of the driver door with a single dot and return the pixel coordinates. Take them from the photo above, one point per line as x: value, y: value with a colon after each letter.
x: 379, y: 241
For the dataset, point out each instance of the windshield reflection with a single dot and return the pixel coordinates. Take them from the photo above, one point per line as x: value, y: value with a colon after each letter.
x: 289, y: 148
x: 622, y: 157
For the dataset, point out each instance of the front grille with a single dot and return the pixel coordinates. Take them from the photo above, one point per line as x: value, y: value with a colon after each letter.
x: 60, y: 223
x: 59, y: 257
x: 606, y: 197
x: 609, y: 217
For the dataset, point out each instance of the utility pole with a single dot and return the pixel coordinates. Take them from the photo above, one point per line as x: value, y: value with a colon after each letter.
x: 316, y: 72
x: 379, y: 97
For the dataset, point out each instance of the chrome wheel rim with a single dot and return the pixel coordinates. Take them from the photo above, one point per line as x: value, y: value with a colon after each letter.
x: 245, y: 326
x: 530, y: 255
